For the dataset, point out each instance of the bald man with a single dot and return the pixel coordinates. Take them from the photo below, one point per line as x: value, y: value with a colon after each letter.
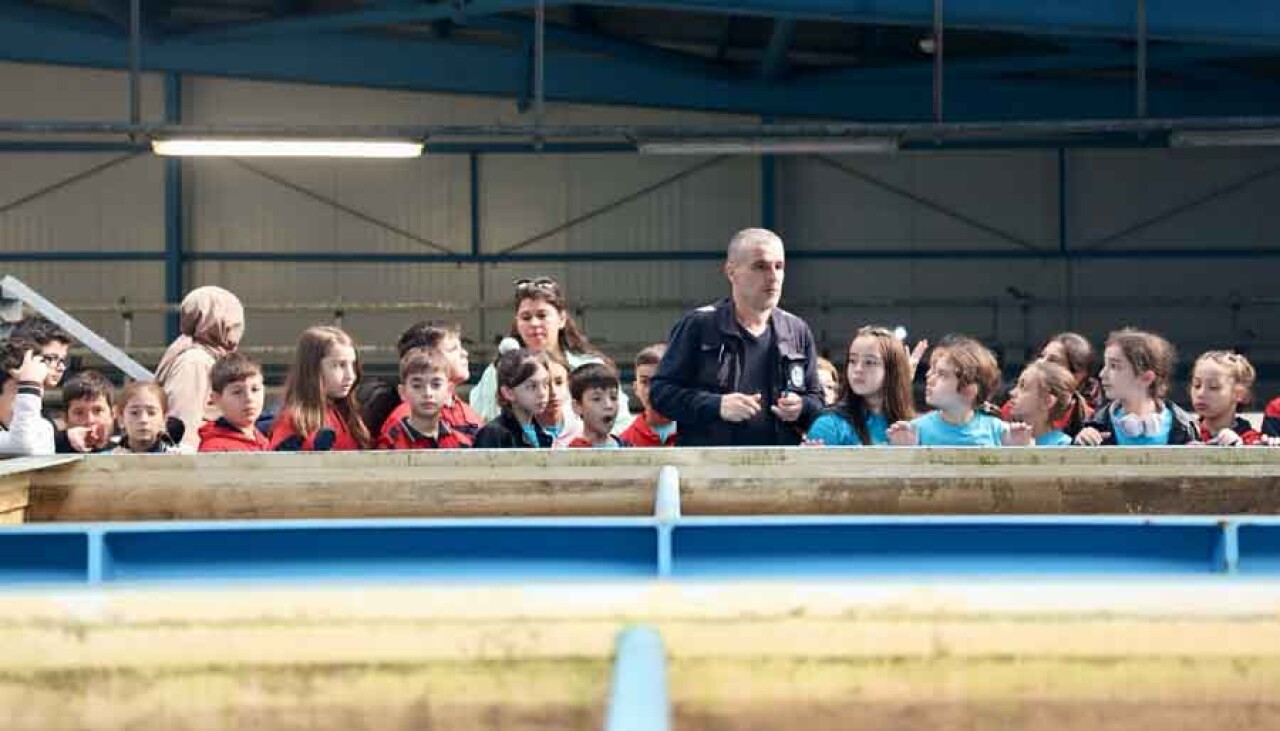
x: 741, y: 372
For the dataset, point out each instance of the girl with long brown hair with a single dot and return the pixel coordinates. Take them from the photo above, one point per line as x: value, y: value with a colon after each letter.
x: 320, y: 411
x: 875, y: 392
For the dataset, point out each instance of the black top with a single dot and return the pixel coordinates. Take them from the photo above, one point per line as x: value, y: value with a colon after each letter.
x: 505, y: 432
x: 709, y: 354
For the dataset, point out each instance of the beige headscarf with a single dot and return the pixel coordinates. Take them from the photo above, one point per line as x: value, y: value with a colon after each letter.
x: 206, y: 319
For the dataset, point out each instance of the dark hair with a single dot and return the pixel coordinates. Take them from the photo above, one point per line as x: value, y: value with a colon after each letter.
x: 546, y: 289
x: 377, y: 399
x: 517, y: 366
x: 592, y: 375
x: 232, y: 368
x: 38, y: 330
x: 133, y: 388
x: 422, y: 360
x: 1081, y: 361
x: 303, y: 394
x: 12, y: 352
x: 1147, y: 351
x: 426, y: 334
x: 651, y: 355
x: 975, y: 365
x: 87, y: 386
x: 897, y: 383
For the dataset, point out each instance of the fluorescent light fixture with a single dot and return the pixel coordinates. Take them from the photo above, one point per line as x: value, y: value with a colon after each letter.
x: 286, y: 148
x: 775, y: 146
x: 1226, y: 138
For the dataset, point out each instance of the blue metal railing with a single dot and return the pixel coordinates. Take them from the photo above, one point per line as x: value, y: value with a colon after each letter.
x: 638, y: 699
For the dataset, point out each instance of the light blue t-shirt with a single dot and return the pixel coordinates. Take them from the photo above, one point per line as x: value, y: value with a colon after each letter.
x: 980, y: 431
x: 1147, y: 440
x: 836, y: 431
x: 1053, y: 439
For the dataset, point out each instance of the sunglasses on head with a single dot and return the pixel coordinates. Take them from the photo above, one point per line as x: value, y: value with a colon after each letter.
x: 540, y: 284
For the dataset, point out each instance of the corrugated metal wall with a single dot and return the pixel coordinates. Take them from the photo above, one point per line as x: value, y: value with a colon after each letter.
x: 932, y: 205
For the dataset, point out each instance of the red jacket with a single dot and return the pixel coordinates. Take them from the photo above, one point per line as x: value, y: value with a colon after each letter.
x: 1248, y: 434
x: 400, y: 434
x: 458, y: 415
x: 221, y: 436
x: 342, y: 440
x: 640, y: 434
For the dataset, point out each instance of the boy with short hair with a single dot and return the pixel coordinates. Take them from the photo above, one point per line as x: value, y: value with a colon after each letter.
x: 88, y: 397
x: 236, y: 388
x: 649, y: 429
x: 426, y: 386
x: 962, y: 375
x: 594, y: 389
x: 445, y: 339
x: 23, y: 431
x: 51, y: 342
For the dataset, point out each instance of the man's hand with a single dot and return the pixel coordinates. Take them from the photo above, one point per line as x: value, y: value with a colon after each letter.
x: 88, y: 438
x: 788, y: 407
x: 736, y: 407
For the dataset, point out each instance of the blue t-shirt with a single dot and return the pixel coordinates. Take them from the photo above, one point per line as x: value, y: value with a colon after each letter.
x: 980, y: 431
x: 1146, y: 440
x: 836, y: 431
x: 1053, y: 439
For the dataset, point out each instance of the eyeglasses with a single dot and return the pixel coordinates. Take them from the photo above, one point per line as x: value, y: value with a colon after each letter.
x: 540, y: 284
x: 53, y: 361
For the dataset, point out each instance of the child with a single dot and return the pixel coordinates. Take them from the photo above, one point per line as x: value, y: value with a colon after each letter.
x: 1271, y: 419
x: 829, y: 377
x: 1044, y: 396
x: 320, y: 412
x: 876, y: 393
x: 1073, y: 352
x: 1136, y: 370
x: 52, y: 345
x: 91, y: 422
x: 23, y: 431
x: 561, y: 423
x: 445, y: 339
x: 236, y: 388
x: 594, y: 388
x: 426, y: 387
x: 649, y: 429
x: 522, y: 394
x: 1222, y: 382
x: 143, y: 412
x: 962, y: 376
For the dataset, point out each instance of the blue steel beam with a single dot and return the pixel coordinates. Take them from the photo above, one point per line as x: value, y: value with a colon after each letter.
x: 378, y: 15
x: 774, y: 63
x: 1251, y: 22
x: 470, y: 68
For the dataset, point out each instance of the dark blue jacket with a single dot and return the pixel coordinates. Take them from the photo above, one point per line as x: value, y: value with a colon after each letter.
x: 704, y: 360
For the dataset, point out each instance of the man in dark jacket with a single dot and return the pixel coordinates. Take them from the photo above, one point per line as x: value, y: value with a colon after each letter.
x: 742, y: 371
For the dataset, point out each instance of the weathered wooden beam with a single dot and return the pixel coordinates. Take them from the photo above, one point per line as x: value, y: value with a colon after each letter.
x: 1040, y: 655
x: 713, y: 481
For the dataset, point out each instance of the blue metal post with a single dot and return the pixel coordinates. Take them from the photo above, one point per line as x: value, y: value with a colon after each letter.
x: 638, y: 698
x: 173, y: 205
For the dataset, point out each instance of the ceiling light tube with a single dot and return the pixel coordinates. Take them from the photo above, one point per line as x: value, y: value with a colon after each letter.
x: 764, y: 146
x: 286, y: 148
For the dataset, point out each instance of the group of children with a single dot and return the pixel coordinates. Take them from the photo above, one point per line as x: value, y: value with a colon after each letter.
x: 1056, y: 401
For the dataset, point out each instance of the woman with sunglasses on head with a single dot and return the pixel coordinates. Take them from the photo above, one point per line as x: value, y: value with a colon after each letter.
x: 543, y: 324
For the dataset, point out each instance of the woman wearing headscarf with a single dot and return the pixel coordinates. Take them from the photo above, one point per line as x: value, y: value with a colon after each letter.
x: 210, y: 323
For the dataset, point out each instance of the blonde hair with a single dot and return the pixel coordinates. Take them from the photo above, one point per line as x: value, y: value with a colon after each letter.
x: 1060, y: 383
x: 1241, y: 370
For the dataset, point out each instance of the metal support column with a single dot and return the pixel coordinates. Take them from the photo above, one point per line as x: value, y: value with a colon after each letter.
x: 174, y: 284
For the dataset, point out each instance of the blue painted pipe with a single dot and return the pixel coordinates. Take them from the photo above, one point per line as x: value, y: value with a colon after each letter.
x: 638, y: 697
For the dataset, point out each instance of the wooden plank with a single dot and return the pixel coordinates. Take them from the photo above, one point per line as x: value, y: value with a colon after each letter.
x: 716, y: 481
x: 742, y: 656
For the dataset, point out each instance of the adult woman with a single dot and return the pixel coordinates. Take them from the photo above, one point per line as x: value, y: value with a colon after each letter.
x: 543, y: 323
x: 210, y: 323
